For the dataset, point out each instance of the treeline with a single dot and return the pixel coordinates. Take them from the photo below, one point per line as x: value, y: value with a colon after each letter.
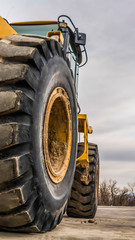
x: 111, y: 195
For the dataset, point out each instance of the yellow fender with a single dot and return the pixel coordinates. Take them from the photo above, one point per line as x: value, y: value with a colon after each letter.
x: 5, y: 28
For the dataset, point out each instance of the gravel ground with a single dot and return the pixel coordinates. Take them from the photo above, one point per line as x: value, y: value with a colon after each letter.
x: 109, y: 223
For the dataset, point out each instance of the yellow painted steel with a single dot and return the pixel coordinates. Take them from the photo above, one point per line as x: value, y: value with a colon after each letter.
x: 37, y: 23
x: 34, y: 23
x: 83, y: 127
x: 57, y: 35
x: 5, y: 28
x: 57, y: 135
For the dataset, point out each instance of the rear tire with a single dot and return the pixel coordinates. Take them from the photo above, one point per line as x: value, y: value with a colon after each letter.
x: 31, y: 69
x: 84, y: 197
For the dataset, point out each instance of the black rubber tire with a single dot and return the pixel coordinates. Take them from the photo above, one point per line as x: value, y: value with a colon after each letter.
x: 30, y: 69
x: 84, y: 197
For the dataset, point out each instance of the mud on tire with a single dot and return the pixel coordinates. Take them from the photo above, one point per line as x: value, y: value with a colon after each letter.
x: 30, y: 69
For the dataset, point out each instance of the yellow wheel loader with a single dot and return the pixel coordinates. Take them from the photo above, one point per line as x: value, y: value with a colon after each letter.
x: 44, y: 170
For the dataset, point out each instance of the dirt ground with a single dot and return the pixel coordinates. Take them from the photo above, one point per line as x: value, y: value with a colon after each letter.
x: 109, y: 223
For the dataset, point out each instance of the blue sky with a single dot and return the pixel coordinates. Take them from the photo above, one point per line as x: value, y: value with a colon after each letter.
x: 107, y: 82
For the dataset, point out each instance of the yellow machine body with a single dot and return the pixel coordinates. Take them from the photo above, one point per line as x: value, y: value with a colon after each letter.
x: 83, y: 127
x: 57, y: 35
x: 5, y: 28
x: 35, y: 22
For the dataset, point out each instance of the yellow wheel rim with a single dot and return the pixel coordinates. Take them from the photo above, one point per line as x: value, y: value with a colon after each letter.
x: 57, y: 135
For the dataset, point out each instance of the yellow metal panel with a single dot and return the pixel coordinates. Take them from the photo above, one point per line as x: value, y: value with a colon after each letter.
x: 81, y: 119
x: 5, y: 28
x: 82, y: 116
x: 84, y: 127
x: 58, y: 34
x: 34, y: 23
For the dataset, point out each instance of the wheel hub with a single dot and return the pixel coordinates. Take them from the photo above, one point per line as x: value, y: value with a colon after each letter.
x: 57, y: 135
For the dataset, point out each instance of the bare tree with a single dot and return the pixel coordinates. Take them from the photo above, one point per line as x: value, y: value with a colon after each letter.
x: 110, y: 194
x: 123, y: 197
x: 114, y: 190
x: 131, y: 187
x: 104, y: 194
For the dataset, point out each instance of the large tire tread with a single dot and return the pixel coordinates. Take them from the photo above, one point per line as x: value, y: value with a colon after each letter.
x: 82, y: 202
x: 21, y: 61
